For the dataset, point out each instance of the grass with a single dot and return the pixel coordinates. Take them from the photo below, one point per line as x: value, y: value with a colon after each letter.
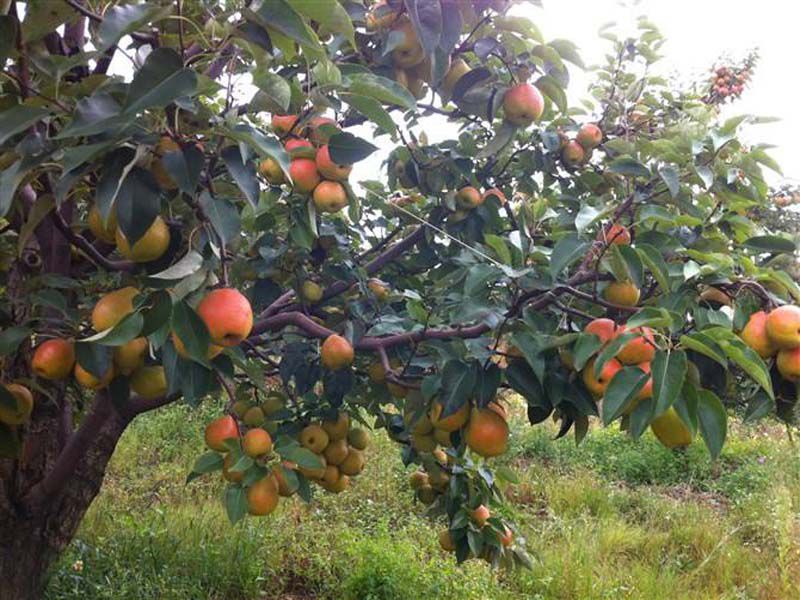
x: 612, y: 518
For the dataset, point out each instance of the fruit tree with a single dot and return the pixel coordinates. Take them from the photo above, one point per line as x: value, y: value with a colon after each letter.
x: 179, y: 221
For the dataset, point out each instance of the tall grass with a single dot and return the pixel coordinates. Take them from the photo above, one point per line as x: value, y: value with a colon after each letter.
x: 612, y: 518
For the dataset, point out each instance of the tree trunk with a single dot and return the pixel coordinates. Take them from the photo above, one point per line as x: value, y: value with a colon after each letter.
x: 38, y: 520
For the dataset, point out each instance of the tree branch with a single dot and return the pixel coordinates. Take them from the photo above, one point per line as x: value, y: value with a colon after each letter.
x: 91, y: 252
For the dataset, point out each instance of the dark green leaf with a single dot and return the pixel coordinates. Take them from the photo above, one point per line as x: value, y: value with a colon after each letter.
x: 380, y: 88
x: 223, y: 215
x: 671, y: 177
x: 669, y: 373
x: 280, y: 16
x: 127, y: 18
x: 654, y: 261
x: 244, y: 173
x: 98, y: 113
x: 94, y: 358
x: 138, y: 204
x: 567, y: 250
x: 235, y: 503
x: 11, y: 338
x: 18, y: 118
x: 625, y: 165
x: 184, y: 166
x: 458, y: 386
x: 713, y: 421
x: 372, y: 109
x: 191, y: 330
x: 585, y: 347
x: 426, y: 17
x: 346, y: 149
x: 8, y: 33
x: 161, y: 80
x: 122, y: 333
x: 622, y: 391
x: 771, y: 243
x: 330, y: 13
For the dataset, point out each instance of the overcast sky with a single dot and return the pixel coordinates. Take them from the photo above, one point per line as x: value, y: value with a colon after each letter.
x: 699, y: 33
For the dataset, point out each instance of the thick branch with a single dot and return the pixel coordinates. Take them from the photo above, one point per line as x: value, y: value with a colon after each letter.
x: 91, y: 252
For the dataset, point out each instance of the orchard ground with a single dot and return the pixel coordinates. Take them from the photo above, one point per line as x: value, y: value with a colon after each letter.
x: 612, y: 518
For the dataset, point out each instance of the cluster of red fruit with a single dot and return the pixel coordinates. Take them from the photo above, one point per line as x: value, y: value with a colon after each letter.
x: 249, y: 460
x: 638, y: 352
x: 225, y: 311
x: 776, y: 334
x: 312, y: 171
x: 728, y: 84
x: 578, y: 151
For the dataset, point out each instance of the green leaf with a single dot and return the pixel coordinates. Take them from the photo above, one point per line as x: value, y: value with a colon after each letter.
x: 713, y: 421
x: 244, y: 174
x: 328, y: 13
x: 585, y: 347
x: 381, y: 89
x: 671, y: 177
x: 94, y: 358
x: 279, y: 15
x: 669, y: 373
x: 426, y: 17
x: 191, y: 330
x: 760, y: 406
x: 745, y: 357
x: 550, y: 88
x: 138, y: 204
x: 184, y: 166
x: 300, y: 455
x: 622, y: 391
x: 654, y: 261
x: 625, y: 165
x: 235, y: 503
x: 346, y: 149
x: 458, y: 385
x: 276, y: 88
x: 703, y: 344
x: 206, y: 463
x: 371, y: 109
x: 98, y: 113
x: 611, y: 350
x: 566, y: 251
x: 568, y: 51
x: 651, y: 316
x: 161, y: 80
x: 267, y: 147
x: 11, y: 338
x: 8, y: 33
x: 223, y: 215
x: 190, y: 263
x: 18, y: 118
x: 771, y: 243
x: 122, y: 333
x: 127, y: 18
x: 116, y: 167
x: 43, y: 17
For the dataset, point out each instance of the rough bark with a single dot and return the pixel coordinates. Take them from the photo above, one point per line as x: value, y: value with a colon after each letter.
x: 37, y: 522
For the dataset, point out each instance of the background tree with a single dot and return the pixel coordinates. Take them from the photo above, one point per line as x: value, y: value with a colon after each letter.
x: 166, y: 239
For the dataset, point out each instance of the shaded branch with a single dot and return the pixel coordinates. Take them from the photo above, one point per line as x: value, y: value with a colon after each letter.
x: 88, y: 249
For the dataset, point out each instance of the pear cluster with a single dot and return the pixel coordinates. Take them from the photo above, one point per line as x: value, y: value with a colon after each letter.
x: 312, y: 170
x: 728, y: 83
x: 578, y: 151
x: 248, y: 458
x: 776, y: 334
x: 639, y: 352
x: 155, y: 241
x: 226, y: 313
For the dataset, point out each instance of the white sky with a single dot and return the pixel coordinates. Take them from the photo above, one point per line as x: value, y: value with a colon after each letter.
x: 698, y: 33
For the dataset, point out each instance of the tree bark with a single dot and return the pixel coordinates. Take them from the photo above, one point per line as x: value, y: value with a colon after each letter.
x: 36, y: 522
